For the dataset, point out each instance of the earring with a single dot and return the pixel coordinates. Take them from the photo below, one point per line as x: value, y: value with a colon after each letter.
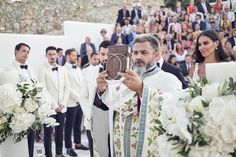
x: 216, y: 48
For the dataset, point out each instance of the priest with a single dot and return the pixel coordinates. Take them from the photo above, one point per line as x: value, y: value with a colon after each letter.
x: 136, y: 100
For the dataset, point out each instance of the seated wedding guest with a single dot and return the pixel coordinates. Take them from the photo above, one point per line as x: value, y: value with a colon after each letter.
x: 190, y: 7
x: 192, y: 16
x: 127, y: 27
x: 22, y: 69
x: 209, y: 49
x: 74, y: 112
x: 175, y: 25
x: 132, y: 35
x: 185, y: 66
x: 218, y: 7
x: 58, y: 89
x: 187, y: 43
x: 162, y: 10
x: 172, y: 60
x: 169, y: 41
x: 161, y: 33
x: 117, y: 33
x: 232, y: 39
x: 102, y: 37
x: 200, y: 22
x: 204, y: 7
x: 149, y: 12
x: 86, y: 49
x: 230, y: 14
x: 136, y: 14
x: 229, y: 50
x: 196, y: 32
x: 179, y: 52
x: 122, y: 14
x: 61, y: 59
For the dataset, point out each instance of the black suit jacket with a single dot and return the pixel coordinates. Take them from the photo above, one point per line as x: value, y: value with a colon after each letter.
x: 133, y: 14
x: 184, y: 69
x: 231, y: 40
x: 167, y: 67
x: 202, y: 25
x: 63, y: 60
x: 121, y: 17
x: 200, y: 7
x: 172, y: 42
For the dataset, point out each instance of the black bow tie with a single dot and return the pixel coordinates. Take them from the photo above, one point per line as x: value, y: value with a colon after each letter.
x: 56, y: 68
x: 74, y: 66
x: 24, y: 66
x: 158, y: 64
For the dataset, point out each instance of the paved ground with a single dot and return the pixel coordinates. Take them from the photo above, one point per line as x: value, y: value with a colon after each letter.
x: 80, y: 153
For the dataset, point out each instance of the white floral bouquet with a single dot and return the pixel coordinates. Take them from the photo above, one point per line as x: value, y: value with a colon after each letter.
x: 23, y: 108
x: 200, y: 121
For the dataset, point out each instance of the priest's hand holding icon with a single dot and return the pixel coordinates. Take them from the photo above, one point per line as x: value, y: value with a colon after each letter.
x: 132, y: 81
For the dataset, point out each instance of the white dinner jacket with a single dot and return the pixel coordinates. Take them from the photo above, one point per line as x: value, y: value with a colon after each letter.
x: 88, y: 91
x: 75, y: 84
x: 13, y: 72
x: 59, y: 94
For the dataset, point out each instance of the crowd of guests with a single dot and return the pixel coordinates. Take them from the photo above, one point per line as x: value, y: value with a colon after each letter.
x: 176, y: 28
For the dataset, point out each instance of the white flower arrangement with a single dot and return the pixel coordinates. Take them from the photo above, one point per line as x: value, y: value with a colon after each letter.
x: 200, y: 121
x: 23, y: 108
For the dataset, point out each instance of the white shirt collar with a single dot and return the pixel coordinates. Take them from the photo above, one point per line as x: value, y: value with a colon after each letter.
x: 161, y: 61
x: 19, y: 64
x: 51, y: 66
x: 69, y: 65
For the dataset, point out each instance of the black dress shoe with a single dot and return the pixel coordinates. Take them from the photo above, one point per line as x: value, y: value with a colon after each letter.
x: 82, y: 147
x: 71, y: 152
x: 60, y: 155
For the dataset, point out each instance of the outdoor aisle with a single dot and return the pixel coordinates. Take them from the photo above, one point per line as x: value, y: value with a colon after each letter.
x: 81, y: 153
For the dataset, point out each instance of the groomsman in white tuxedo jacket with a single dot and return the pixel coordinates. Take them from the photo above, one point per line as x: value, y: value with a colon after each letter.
x: 55, y: 80
x: 74, y: 112
x: 96, y: 113
x: 13, y: 73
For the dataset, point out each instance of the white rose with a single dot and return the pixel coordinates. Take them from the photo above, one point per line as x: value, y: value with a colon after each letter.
x: 19, y: 109
x: 206, y: 151
x: 45, y: 111
x: 174, y: 117
x: 30, y: 105
x: 21, y: 122
x: 223, y: 109
x: 3, y: 120
x: 196, y: 104
x: 9, y: 98
x: 50, y: 122
x: 209, y: 129
x: 210, y: 91
x: 227, y: 133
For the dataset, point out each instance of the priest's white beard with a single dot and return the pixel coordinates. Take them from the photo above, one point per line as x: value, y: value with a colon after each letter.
x: 141, y: 70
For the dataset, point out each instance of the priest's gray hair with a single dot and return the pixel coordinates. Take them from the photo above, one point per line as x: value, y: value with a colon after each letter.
x: 148, y: 38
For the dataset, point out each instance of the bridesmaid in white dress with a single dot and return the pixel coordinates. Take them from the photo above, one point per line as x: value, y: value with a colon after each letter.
x: 208, y: 49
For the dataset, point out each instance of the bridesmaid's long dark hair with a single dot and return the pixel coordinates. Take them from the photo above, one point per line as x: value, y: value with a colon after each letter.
x: 220, y: 54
